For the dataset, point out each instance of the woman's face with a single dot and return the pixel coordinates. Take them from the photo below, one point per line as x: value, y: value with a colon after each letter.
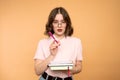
x: 59, y: 25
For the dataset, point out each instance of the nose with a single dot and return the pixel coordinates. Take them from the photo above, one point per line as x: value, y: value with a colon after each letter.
x: 59, y: 24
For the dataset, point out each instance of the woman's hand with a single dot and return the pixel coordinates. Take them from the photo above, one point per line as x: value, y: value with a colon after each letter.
x: 54, y: 48
x: 77, y: 67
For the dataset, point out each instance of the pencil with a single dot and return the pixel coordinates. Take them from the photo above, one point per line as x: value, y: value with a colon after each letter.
x: 52, y: 37
x: 68, y: 71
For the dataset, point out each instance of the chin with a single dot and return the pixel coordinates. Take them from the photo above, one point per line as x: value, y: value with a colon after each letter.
x: 60, y: 34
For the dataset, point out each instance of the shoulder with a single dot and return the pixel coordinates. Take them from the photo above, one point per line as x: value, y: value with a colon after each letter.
x: 75, y: 39
x: 43, y: 41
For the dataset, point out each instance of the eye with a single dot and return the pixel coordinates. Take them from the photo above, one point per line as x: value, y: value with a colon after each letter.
x: 55, y: 21
x: 63, y: 22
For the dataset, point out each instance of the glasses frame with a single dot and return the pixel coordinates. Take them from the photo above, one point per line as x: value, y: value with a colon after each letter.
x: 59, y: 23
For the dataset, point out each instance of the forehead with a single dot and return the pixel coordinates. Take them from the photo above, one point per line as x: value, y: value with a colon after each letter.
x: 59, y: 17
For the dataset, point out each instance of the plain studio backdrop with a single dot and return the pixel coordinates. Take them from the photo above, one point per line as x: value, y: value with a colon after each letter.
x: 95, y: 22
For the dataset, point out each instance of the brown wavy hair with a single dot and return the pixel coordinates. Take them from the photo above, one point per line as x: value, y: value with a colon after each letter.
x: 53, y: 13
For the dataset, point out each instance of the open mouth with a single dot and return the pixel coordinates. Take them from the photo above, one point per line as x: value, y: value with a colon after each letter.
x: 59, y: 30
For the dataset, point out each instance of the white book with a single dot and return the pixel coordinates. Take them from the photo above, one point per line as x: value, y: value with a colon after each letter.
x: 61, y: 65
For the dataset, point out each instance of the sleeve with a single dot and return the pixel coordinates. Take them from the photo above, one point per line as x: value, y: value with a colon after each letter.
x: 39, y: 52
x: 79, y: 50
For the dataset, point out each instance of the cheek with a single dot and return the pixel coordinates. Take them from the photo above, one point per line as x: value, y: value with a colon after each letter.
x: 65, y: 28
x: 54, y: 28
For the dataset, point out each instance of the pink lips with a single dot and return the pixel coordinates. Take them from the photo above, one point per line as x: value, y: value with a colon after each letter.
x: 59, y: 30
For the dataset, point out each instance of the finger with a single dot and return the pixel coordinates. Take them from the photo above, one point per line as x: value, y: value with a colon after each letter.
x: 53, y: 46
x: 58, y: 43
x: 53, y: 42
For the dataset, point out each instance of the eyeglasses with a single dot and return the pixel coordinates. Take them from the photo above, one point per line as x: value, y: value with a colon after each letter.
x: 58, y: 24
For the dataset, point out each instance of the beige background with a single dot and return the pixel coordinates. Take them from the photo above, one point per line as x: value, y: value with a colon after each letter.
x: 96, y: 23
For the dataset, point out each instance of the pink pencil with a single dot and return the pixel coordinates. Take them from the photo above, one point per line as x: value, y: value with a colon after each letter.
x: 52, y: 36
x: 68, y: 71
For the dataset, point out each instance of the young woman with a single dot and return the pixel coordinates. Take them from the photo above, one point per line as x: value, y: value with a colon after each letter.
x: 67, y: 48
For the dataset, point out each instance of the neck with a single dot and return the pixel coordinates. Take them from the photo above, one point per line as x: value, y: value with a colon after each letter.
x: 59, y: 37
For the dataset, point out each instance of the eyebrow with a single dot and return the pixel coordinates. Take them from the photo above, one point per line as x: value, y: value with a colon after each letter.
x: 58, y: 20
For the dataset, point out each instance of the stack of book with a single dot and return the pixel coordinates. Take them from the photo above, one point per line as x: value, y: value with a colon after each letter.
x: 61, y: 65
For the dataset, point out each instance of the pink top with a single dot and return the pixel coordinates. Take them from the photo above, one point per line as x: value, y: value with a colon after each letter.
x: 70, y: 49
